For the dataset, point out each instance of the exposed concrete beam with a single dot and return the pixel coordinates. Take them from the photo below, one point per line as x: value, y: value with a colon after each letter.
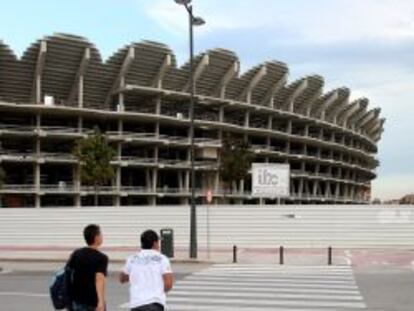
x: 321, y: 110
x: 371, y: 123
x: 36, y: 93
x: 371, y: 126
x: 339, y: 109
x: 157, y: 82
x: 79, y: 79
x: 312, y: 100
x: 270, y: 95
x: 300, y: 88
x: 120, y: 79
x: 377, y: 136
x: 204, y: 62
x: 368, y: 117
x: 225, y: 80
x: 349, y: 110
x: 376, y: 127
x: 362, y: 106
x: 247, y: 92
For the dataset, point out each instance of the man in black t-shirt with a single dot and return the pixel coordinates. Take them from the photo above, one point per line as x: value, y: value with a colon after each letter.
x: 90, y: 268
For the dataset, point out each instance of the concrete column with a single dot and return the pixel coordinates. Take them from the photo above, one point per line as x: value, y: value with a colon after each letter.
x: 155, y: 179
x: 221, y: 114
x: 306, y: 185
x: 327, y: 189
x: 291, y: 105
x: 116, y: 200
x: 77, y: 184
x: 148, y: 179
x: 337, y: 190
x: 158, y: 106
x: 287, y: 150
x: 216, y: 182
x: 306, y: 130
x: 187, y: 180
x: 121, y: 96
x: 315, y: 188
x: 157, y: 129
x: 330, y: 169
x: 247, y: 119
x: 321, y: 134
x: 289, y: 127
x: 268, y: 142
x: 80, y: 124
x: 152, y: 201
x: 80, y: 92
x: 301, y: 186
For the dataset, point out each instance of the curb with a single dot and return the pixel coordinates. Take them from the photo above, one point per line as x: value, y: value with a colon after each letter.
x: 116, y: 261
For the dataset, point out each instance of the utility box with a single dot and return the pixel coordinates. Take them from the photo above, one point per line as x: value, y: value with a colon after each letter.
x: 167, y: 242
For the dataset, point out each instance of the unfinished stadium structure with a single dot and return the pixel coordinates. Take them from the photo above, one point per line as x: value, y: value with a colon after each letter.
x: 60, y: 90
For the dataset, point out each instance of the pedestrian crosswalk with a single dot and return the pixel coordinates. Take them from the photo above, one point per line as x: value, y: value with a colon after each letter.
x: 267, y: 287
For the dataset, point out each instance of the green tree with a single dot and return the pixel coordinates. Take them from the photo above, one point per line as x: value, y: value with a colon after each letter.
x: 236, y: 160
x: 95, y: 155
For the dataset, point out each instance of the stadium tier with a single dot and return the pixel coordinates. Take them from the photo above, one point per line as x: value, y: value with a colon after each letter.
x: 60, y: 90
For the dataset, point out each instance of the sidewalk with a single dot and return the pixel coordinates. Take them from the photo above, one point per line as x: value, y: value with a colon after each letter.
x: 218, y: 255
x: 292, y: 256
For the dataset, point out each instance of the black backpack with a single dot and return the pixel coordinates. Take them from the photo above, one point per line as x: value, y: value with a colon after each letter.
x: 60, y: 289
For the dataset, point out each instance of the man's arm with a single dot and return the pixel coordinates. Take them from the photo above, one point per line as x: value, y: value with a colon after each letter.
x: 168, y: 281
x: 100, y: 291
x: 123, y: 278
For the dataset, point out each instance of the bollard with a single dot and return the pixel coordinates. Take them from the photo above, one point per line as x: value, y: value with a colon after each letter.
x: 281, y: 255
x: 330, y: 255
x: 234, y: 254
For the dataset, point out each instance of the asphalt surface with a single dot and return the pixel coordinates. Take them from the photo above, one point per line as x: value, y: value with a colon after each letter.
x: 379, y: 288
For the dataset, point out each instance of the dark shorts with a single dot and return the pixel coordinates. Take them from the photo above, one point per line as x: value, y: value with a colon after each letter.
x: 80, y: 307
x: 150, y: 307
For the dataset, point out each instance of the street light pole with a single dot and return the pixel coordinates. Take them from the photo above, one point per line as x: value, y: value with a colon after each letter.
x: 193, y: 21
x: 193, y: 211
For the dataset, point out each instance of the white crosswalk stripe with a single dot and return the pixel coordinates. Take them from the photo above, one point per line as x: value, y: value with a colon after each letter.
x: 267, y: 287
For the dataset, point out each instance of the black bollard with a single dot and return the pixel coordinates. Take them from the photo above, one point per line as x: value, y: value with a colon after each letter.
x: 234, y: 254
x: 330, y: 255
x: 281, y: 255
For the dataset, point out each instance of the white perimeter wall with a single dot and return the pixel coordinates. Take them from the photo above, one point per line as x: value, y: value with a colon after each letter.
x: 245, y: 226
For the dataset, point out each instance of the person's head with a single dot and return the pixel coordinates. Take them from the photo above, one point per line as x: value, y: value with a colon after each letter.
x: 150, y: 240
x: 93, y: 236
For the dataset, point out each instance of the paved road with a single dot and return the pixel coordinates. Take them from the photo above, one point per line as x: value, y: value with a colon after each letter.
x: 265, y: 287
x: 244, y: 287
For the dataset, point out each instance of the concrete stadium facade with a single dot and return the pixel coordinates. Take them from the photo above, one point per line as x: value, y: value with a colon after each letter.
x: 61, y: 89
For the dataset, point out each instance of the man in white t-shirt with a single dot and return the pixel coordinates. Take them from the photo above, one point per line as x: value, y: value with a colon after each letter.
x: 149, y: 275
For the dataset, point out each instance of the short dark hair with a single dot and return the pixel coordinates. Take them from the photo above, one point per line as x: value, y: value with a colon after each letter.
x: 148, y: 238
x: 90, y: 233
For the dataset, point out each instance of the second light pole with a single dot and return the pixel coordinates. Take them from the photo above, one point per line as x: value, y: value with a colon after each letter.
x: 193, y: 21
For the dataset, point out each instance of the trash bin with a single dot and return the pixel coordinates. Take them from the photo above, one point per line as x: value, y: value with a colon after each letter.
x: 167, y: 242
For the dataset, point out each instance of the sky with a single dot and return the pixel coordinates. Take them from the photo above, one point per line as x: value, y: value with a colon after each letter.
x: 366, y: 45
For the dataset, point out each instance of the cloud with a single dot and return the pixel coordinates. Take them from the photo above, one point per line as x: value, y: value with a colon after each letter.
x: 364, y: 45
x: 314, y: 21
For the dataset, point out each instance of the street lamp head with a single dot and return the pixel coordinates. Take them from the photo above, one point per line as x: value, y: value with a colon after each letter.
x: 198, y: 21
x: 183, y: 2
